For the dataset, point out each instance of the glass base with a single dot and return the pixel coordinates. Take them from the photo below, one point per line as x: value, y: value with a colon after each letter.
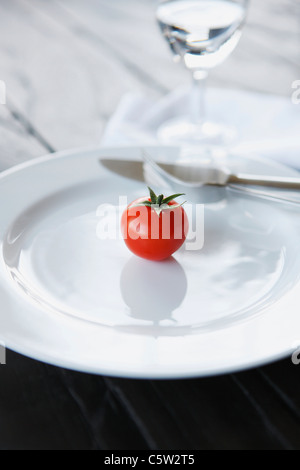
x: 184, y: 131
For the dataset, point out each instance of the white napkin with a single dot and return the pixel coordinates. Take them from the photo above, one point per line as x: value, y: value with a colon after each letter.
x: 267, y: 125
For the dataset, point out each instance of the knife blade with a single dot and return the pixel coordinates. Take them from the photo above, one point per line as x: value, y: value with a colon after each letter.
x: 132, y: 169
x: 135, y: 169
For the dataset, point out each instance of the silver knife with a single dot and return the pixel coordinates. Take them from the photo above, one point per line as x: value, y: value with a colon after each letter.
x: 196, y: 175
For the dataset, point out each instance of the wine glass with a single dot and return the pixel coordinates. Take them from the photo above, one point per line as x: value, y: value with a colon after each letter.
x: 201, y: 34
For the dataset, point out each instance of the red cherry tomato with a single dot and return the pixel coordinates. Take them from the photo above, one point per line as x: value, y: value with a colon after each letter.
x: 154, y: 228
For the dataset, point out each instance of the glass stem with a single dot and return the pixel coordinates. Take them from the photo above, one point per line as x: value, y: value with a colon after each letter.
x: 198, y: 104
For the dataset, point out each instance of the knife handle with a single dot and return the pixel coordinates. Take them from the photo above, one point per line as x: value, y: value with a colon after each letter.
x: 268, y: 181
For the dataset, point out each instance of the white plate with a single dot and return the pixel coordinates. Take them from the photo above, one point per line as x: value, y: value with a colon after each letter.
x: 74, y: 300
